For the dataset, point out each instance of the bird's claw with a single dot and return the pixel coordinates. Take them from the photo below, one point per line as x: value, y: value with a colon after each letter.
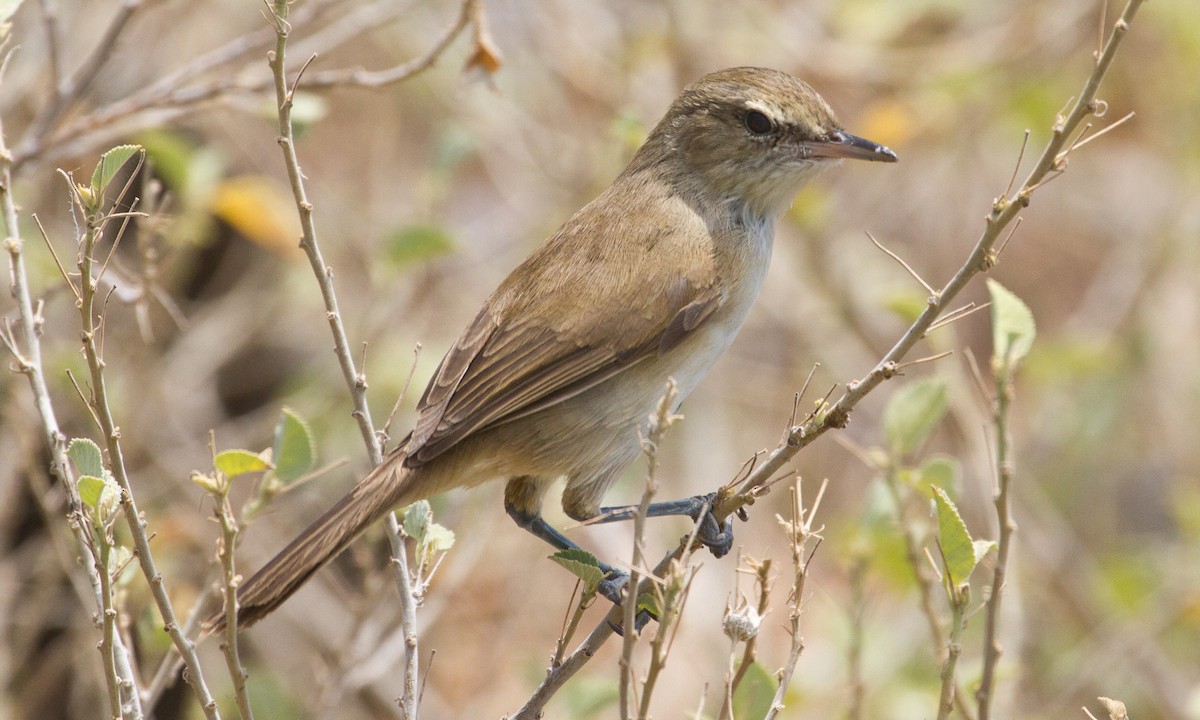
x: 611, y: 588
x: 612, y: 585
x: 717, y: 537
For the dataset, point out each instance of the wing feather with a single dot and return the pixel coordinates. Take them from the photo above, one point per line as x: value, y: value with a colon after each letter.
x: 526, y: 351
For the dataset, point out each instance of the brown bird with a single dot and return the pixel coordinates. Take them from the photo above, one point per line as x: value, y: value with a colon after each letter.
x: 560, y: 371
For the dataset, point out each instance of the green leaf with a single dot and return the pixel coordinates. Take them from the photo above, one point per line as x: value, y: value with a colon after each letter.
x: 648, y: 601
x: 417, y: 519
x: 982, y: 548
x: 86, y: 456
x: 941, y: 470
x: 912, y: 413
x: 171, y: 156
x: 438, y: 538
x: 1013, y: 329
x: 416, y: 243
x: 209, y: 484
x: 110, y: 163
x: 90, y: 489
x: 294, y: 452
x: 583, y: 565
x: 958, y: 550
x: 754, y: 695
x: 232, y: 463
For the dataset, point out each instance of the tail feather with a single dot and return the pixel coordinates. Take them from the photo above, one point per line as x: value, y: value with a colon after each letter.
x: 320, y: 542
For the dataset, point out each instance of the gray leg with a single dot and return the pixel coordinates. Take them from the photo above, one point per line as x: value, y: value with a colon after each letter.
x: 522, y: 501
x: 717, y: 538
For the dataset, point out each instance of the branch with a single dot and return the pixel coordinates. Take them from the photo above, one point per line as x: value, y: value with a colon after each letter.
x: 98, y: 401
x: 215, y: 74
x: 1003, y: 505
x: 356, y: 380
x: 67, y: 93
x: 28, y: 360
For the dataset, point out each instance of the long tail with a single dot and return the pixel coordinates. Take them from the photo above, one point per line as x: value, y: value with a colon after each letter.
x: 376, y: 494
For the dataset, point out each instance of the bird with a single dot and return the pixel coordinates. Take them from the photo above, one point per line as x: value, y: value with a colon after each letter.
x: 559, y: 373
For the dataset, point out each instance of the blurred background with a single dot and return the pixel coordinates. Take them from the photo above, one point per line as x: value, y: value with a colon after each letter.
x: 428, y: 192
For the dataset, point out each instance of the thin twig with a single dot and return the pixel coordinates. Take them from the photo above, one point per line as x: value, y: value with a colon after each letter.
x: 1017, y: 165
x: 956, y: 315
x: 800, y: 532
x: 355, y: 380
x: 229, y: 583
x: 98, y: 401
x: 1004, y: 243
x: 378, y: 78
x: 29, y: 363
x: 65, y: 95
x: 915, y: 275
x: 50, y: 246
x: 900, y: 367
x: 662, y: 420
x: 412, y: 369
x: 948, y: 698
x: 1003, y: 503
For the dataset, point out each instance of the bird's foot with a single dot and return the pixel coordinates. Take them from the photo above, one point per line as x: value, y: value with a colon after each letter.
x: 717, y: 537
x: 612, y: 587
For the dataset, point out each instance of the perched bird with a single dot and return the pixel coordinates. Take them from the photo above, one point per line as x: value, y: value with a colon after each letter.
x: 562, y: 368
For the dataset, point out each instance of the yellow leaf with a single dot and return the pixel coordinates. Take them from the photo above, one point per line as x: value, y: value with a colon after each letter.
x: 260, y: 209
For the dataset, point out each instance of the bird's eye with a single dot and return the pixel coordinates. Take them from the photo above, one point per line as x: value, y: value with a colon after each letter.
x: 758, y: 123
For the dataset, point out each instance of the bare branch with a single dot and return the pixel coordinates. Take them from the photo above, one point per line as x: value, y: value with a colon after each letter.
x: 915, y: 275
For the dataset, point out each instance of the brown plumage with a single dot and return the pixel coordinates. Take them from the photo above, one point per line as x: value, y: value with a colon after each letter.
x: 559, y: 371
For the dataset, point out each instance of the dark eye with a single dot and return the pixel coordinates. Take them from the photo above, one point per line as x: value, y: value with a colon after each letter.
x: 758, y: 123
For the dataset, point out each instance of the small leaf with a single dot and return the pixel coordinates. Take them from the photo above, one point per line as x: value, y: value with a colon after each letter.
x: 648, y: 602
x: 417, y: 243
x: 583, y: 565
x: 417, y: 519
x: 110, y: 163
x: 86, y: 456
x: 957, y: 549
x: 941, y: 470
x: 232, y: 463
x: 294, y: 451
x: 171, y: 156
x: 1116, y: 709
x: 754, y: 695
x: 912, y: 413
x: 90, y: 489
x: 209, y: 484
x: 982, y: 548
x: 1013, y: 329
x: 438, y: 538
x: 259, y: 208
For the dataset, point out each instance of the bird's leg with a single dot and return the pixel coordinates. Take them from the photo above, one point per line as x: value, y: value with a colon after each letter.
x: 717, y: 537
x: 517, y: 495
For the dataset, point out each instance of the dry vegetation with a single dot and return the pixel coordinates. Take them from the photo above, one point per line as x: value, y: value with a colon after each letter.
x: 427, y: 191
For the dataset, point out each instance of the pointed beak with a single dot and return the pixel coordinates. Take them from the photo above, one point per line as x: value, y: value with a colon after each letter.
x: 843, y: 145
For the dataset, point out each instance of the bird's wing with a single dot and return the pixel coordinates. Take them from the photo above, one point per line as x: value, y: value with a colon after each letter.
x: 528, y: 351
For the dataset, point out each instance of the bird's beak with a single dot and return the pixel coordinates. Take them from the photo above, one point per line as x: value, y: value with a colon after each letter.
x: 842, y: 144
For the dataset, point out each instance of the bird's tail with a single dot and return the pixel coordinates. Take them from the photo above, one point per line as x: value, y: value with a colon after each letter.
x: 376, y: 494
